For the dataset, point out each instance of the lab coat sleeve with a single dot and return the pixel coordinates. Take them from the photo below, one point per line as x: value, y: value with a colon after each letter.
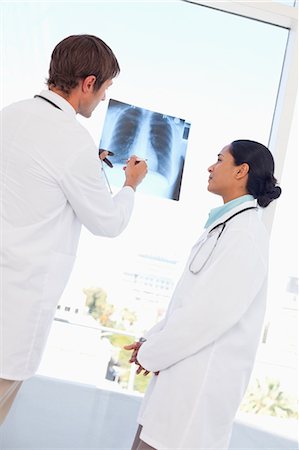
x: 220, y: 297
x: 85, y: 188
x: 157, y: 327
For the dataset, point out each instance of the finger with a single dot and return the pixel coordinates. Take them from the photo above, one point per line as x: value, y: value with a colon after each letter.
x: 133, y: 359
x: 133, y: 346
x: 146, y: 373
x: 132, y: 160
x: 103, y: 155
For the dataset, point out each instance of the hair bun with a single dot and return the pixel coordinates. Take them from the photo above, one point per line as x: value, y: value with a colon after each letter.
x: 276, y: 192
x: 271, y: 193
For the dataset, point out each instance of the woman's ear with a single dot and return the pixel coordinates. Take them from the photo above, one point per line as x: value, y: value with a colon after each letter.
x: 242, y: 170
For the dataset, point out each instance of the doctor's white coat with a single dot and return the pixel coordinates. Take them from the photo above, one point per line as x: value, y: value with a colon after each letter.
x: 51, y: 184
x: 205, y: 347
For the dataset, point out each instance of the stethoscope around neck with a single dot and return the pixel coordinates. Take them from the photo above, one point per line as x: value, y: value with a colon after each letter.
x: 207, y: 245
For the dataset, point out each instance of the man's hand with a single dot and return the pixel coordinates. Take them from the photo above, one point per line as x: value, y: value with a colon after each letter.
x: 135, y: 171
x: 103, y: 154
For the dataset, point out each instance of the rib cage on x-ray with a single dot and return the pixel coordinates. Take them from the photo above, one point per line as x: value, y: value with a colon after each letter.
x: 160, y: 139
x: 127, y: 129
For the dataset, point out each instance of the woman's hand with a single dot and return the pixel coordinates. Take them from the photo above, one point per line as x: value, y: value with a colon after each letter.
x: 135, y: 347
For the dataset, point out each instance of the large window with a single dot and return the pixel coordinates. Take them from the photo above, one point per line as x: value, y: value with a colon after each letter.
x: 218, y: 71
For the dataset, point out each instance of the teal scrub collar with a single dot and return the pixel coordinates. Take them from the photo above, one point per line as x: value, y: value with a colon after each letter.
x: 216, y: 213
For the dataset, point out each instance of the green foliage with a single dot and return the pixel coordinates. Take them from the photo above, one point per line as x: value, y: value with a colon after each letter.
x: 128, y: 317
x: 141, y: 382
x: 120, y: 340
x: 266, y: 397
x: 99, y: 308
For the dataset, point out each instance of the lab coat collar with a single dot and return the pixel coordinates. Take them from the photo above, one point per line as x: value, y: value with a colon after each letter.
x: 59, y: 101
x: 230, y: 213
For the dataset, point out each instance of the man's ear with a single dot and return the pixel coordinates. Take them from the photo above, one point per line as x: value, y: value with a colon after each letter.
x: 88, y: 83
x: 242, y: 170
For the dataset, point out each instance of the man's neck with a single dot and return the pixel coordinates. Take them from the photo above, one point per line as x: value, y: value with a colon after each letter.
x: 71, y: 98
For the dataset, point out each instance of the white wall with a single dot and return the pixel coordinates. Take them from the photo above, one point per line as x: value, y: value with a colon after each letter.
x: 53, y: 414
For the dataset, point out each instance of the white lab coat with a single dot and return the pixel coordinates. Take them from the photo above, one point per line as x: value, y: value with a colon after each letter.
x: 205, y: 347
x: 51, y: 184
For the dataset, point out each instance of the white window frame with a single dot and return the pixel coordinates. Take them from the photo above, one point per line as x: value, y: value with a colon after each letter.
x: 287, y: 17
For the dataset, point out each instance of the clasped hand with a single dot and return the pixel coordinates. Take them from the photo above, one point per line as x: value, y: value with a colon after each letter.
x: 135, y: 347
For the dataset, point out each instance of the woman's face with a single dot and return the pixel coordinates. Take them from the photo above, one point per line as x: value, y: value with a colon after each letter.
x: 222, y: 179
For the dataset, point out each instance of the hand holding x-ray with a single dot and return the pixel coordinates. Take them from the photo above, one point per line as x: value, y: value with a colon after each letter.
x: 135, y: 171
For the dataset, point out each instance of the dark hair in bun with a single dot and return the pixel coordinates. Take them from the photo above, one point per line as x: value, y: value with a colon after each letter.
x: 261, y: 181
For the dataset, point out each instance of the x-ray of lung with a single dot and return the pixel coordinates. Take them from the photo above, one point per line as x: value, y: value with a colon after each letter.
x: 160, y: 139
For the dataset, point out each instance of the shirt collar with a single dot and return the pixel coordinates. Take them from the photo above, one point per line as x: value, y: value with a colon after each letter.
x: 217, y: 213
x: 59, y: 101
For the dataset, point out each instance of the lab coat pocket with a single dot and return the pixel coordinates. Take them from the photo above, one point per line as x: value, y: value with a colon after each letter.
x: 57, y: 273
x: 59, y: 269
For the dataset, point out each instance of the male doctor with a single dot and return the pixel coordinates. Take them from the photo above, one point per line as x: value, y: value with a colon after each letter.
x: 52, y: 183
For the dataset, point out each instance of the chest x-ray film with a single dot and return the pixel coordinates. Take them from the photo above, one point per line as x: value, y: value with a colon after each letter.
x: 160, y: 139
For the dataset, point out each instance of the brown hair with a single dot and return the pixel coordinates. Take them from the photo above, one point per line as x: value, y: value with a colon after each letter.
x: 79, y: 56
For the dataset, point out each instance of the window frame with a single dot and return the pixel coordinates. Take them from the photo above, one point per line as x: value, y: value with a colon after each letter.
x: 284, y: 16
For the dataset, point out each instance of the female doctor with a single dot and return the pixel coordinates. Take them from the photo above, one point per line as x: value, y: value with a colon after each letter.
x: 202, y: 352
